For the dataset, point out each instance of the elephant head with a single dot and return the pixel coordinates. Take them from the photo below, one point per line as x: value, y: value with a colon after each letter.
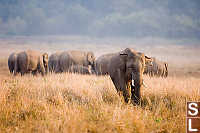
x: 45, y: 62
x: 91, y: 59
x: 148, y: 63
x: 134, y: 64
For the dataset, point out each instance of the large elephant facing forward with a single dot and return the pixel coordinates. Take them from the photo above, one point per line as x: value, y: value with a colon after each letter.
x: 102, y: 62
x: 12, y: 59
x: 70, y: 58
x: 31, y: 61
x: 124, y: 68
x: 158, y: 68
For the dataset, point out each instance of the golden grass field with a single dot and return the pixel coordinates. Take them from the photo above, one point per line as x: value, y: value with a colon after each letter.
x: 73, y: 103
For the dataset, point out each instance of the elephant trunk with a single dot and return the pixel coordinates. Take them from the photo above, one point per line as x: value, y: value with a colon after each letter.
x: 137, y: 82
x: 166, y: 70
x: 45, y: 60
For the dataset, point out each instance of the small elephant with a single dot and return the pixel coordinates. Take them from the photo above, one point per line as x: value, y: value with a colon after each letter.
x: 70, y: 58
x: 31, y: 61
x: 81, y: 69
x: 54, y: 63
x: 12, y: 59
x: 126, y: 71
x: 158, y: 68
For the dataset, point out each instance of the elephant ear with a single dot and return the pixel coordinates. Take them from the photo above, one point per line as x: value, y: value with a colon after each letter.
x: 142, y: 56
x: 148, y: 61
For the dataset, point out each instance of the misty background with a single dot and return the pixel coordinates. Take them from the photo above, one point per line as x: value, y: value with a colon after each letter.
x: 169, y: 19
x: 166, y: 29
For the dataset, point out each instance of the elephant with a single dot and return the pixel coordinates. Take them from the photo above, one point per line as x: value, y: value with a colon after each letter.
x: 158, y: 68
x: 101, y: 64
x: 69, y: 58
x: 54, y: 62
x: 81, y: 69
x: 126, y: 69
x: 31, y: 61
x: 11, y: 62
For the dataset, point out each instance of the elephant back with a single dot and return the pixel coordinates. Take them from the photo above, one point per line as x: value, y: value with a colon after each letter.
x: 78, y: 57
x: 29, y: 60
x: 54, y: 62
x: 34, y: 58
x: 101, y: 63
x: 69, y: 58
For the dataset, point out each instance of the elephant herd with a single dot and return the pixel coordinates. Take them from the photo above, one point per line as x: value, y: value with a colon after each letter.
x: 28, y: 61
x: 125, y: 68
x: 72, y: 61
x: 156, y: 68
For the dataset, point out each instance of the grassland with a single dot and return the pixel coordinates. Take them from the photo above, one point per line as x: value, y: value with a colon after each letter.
x: 86, y: 103
x: 76, y: 103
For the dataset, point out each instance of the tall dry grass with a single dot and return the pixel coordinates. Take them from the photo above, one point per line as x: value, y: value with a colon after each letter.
x: 86, y: 103
x: 76, y: 103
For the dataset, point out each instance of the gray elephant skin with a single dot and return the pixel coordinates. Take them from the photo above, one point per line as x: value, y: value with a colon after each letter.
x: 72, y: 58
x: 54, y: 62
x: 81, y: 69
x: 31, y: 61
x: 101, y: 64
x: 124, y: 68
x: 158, y: 68
x: 12, y: 59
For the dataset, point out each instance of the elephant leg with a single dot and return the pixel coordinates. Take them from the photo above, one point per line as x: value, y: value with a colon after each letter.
x: 163, y: 73
x: 22, y: 73
x: 120, y: 84
x: 34, y: 72
x: 42, y: 72
x: 41, y: 69
x: 57, y: 69
x: 126, y: 94
x: 16, y: 69
x: 166, y: 74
